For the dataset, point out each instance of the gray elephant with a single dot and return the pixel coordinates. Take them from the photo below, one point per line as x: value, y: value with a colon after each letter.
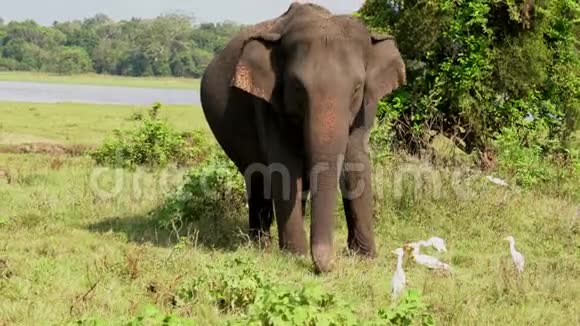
x: 292, y: 101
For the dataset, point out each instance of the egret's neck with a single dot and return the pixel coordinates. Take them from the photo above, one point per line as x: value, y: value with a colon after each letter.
x: 512, y: 245
x: 399, y: 261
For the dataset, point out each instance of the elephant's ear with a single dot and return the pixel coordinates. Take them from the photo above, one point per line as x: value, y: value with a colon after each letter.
x: 385, y: 68
x: 255, y: 71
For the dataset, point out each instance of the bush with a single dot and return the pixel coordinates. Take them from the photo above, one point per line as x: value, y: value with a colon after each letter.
x: 242, y: 290
x: 409, y: 310
x: 526, y: 164
x: 153, y: 144
x: 476, y: 68
x: 149, y: 316
x: 306, y: 305
x: 232, y: 287
x: 152, y: 316
x: 214, y: 194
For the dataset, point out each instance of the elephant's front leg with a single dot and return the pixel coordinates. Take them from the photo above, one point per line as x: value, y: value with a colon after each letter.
x: 287, y: 191
x: 357, y: 195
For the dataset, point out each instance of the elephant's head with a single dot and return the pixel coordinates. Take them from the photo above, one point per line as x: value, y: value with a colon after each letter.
x: 327, y: 73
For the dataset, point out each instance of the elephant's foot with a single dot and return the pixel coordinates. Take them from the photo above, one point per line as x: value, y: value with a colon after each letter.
x: 323, y: 257
x: 296, y: 247
x: 365, y: 248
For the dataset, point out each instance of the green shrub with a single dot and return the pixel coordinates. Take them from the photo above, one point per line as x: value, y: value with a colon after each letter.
x: 149, y: 316
x: 305, y: 305
x: 232, y: 287
x: 476, y: 68
x: 152, y: 316
x: 155, y: 144
x: 241, y: 289
x: 410, y: 309
x: 525, y: 162
x: 213, y: 197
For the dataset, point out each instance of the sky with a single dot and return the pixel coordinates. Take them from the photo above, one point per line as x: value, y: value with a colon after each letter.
x: 45, y: 12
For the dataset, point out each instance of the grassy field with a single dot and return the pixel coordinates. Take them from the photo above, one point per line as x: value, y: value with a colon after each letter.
x: 68, y: 253
x: 73, y: 123
x: 102, y: 80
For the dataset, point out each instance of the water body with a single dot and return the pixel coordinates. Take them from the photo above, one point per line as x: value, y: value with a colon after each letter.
x: 54, y: 93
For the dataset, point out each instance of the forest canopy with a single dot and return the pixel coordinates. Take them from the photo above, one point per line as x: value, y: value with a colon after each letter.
x: 169, y: 45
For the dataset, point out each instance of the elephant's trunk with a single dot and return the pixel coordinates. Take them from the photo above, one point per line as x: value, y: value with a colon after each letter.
x: 326, y: 134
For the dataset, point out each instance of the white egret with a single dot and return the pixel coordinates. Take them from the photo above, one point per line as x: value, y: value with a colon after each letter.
x: 426, y: 260
x: 399, y: 280
x: 517, y: 257
x: 435, y: 242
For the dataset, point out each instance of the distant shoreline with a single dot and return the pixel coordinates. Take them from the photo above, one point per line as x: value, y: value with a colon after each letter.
x: 96, y: 89
x: 101, y: 80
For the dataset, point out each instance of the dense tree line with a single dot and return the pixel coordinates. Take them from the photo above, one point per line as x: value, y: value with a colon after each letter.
x: 169, y: 45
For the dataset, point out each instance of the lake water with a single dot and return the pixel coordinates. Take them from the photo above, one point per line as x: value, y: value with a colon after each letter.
x: 53, y: 93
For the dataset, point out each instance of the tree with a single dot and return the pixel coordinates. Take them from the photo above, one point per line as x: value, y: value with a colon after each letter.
x: 29, y: 56
x: 30, y: 32
x: 108, y: 56
x: 71, y: 60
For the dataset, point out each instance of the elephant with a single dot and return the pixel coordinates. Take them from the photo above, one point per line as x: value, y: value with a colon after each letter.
x: 291, y: 101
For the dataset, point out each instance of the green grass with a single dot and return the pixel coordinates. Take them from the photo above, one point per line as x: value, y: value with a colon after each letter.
x: 68, y: 252
x: 103, y: 80
x: 73, y: 255
x: 73, y: 123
